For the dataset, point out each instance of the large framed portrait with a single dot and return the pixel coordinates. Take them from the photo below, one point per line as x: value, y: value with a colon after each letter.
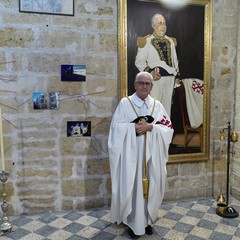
x: 182, y: 58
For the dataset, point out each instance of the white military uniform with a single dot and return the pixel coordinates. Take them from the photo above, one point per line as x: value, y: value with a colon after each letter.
x: 149, y: 57
x: 127, y: 162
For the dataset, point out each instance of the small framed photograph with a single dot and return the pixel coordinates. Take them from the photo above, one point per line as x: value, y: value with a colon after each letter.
x: 57, y: 7
x: 75, y: 73
x: 78, y: 129
x: 45, y: 100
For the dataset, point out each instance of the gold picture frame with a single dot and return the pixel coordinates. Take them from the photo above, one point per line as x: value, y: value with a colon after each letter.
x: 130, y: 21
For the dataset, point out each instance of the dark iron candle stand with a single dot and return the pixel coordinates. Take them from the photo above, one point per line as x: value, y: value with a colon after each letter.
x: 223, y: 207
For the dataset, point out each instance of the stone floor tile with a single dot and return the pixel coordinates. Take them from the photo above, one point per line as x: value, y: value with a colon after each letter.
x: 33, y: 226
x: 219, y: 236
x: 167, y: 223
x: 88, y: 232
x: 222, y: 228
x: 60, y: 235
x: 60, y: 223
x: 178, y: 209
x: 200, y: 207
x: 86, y: 220
x: 207, y: 224
x: 172, y: 234
x: 189, y: 220
x: 201, y: 232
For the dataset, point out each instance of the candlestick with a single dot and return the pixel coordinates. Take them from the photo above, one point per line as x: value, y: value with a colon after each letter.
x: 1, y: 140
x: 223, y: 208
x: 5, y: 226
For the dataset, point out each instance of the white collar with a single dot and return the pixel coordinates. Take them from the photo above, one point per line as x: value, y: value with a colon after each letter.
x: 139, y: 102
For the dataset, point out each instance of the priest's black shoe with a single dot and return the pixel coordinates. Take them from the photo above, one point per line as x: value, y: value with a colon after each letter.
x: 131, y: 234
x: 148, y: 230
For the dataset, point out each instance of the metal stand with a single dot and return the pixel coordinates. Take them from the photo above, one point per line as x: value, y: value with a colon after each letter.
x: 5, y: 225
x: 223, y: 208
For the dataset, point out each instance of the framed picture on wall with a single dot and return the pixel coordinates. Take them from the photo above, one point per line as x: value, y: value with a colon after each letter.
x: 58, y: 7
x: 74, y: 73
x: 78, y: 129
x: 46, y: 100
x: 182, y: 54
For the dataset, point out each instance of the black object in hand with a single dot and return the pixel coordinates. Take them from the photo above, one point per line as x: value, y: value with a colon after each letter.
x: 147, y: 118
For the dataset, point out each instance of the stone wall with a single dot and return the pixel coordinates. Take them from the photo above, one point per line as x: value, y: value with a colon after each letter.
x: 50, y: 171
x: 225, y: 81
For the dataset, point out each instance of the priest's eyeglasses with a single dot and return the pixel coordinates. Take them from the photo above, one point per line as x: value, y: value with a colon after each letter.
x: 148, y: 84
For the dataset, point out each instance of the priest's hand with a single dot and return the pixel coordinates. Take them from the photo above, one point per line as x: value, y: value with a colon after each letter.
x: 142, y: 127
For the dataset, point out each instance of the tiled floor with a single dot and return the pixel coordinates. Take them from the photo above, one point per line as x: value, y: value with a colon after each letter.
x: 190, y: 220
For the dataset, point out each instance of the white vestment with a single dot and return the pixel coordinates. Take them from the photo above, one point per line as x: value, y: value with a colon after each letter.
x: 126, y: 162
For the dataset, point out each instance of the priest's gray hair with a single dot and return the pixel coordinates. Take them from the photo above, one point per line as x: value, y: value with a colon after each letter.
x: 144, y: 75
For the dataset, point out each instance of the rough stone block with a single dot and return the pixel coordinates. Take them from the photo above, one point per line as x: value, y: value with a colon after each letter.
x: 80, y: 188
